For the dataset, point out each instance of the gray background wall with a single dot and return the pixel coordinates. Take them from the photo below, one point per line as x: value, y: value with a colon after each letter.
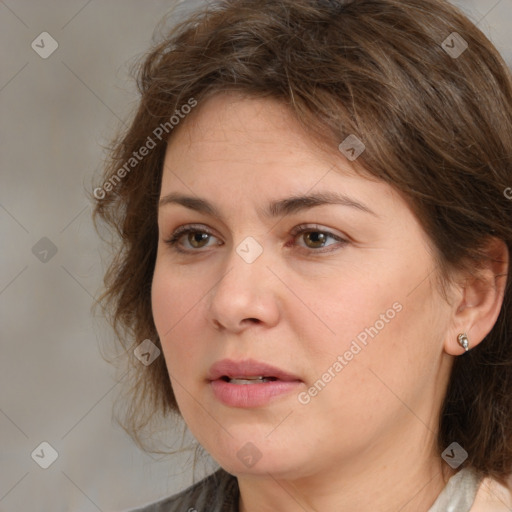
x: 55, y: 114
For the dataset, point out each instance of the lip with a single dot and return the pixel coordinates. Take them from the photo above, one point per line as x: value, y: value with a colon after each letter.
x: 249, y: 395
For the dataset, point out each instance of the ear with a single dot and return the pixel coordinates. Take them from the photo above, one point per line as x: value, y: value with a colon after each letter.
x: 479, y: 299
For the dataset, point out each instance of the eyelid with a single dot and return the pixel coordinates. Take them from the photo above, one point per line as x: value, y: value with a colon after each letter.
x: 305, y: 228
x: 172, y: 240
x: 300, y: 228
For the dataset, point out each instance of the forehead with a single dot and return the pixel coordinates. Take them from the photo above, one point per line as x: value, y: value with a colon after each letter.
x: 229, y: 132
x: 243, y: 114
x: 247, y: 149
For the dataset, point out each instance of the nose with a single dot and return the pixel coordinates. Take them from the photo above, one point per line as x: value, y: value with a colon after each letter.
x: 246, y: 295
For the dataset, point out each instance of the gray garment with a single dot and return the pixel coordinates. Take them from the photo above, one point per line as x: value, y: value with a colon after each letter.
x: 219, y: 493
x: 216, y: 493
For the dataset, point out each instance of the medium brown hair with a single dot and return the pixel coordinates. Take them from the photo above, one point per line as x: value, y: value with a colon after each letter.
x: 437, y: 127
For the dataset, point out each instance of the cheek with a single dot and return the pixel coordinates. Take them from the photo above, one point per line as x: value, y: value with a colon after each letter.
x: 373, y: 332
x: 359, y: 303
x: 175, y: 313
x: 169, y: 309
x: 176, y: 305
x: 173, y: 296
x: 372, y: 382
x: 163, y: 301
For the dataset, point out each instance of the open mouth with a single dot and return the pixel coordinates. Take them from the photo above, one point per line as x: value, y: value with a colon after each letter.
x: 248, y: 380
x: 249, y: 383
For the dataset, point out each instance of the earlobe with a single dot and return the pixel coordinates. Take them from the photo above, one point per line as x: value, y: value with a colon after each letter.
x: 480, y: 300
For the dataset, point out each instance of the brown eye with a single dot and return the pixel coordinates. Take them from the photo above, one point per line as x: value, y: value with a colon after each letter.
x: 313, y: 240
x: 197, y: 238
x: 317, y: 239
x: 190, y: 239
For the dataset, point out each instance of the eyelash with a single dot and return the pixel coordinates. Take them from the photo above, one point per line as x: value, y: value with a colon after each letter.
x: 173, y: 240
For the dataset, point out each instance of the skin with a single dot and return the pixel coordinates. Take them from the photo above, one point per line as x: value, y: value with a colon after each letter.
x: 366, y: 442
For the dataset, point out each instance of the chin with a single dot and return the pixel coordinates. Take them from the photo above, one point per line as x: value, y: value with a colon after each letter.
x: 257, y: 456
x: 261, y: 468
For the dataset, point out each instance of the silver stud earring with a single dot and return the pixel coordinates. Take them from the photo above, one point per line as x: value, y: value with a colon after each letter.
x: 463, y: 340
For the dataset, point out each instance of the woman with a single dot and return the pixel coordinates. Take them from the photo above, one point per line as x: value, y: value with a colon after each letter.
x: 315, y: 236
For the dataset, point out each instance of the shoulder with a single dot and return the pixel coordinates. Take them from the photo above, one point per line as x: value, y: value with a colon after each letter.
x: 215, y: 493
x: 492, y: 496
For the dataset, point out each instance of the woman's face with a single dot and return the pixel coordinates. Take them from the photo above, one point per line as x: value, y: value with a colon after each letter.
x: 342, y: 319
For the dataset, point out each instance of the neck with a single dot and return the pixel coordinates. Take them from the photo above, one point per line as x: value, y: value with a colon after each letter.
x: 408, y: 481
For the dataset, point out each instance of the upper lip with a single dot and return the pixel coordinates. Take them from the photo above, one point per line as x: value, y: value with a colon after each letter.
x: 247, y: 368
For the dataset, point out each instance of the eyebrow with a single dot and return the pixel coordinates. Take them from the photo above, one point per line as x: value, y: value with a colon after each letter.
x: 280, y: 207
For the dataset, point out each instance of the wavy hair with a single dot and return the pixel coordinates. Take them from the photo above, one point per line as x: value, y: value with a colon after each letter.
x: 437, y: 127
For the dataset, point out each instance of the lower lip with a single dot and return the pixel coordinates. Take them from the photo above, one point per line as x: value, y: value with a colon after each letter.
x: 251, y: 395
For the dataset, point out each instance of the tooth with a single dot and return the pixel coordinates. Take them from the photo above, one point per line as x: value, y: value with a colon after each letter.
x: 249, y: 380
